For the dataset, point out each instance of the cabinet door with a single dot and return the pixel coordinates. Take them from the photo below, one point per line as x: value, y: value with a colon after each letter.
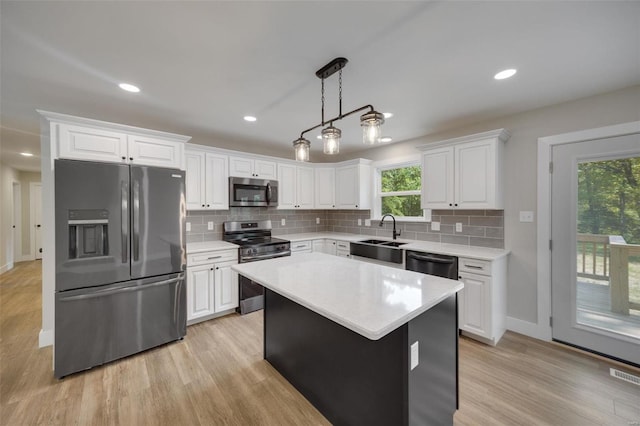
x: 330, y: 247
x: 241, y: 167
x: 304, y: 187
x: 217, y: 182
x: 474, y: 308
x: 437, y: 179
x: 84, y: 143
x: 226, y: 287
x: 148, y: 151
x: 325, y: 188
x: 347, y: 187
x: 265, y: 169
x: 199, y: 292
x: 195, y: 180
x: 286, y: 186
x: 475, y: 175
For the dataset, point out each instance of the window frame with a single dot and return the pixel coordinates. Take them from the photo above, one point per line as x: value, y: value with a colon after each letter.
x: 397, y: 163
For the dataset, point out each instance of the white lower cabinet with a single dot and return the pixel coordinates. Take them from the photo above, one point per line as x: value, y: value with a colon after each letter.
x: 325, y: 246
x: 343, y: 249
x: 482, y: 304
x: 212, y: 287
x: 301, y: 247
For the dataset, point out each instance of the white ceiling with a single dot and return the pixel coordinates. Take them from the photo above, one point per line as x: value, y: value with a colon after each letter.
x: 203, y: 65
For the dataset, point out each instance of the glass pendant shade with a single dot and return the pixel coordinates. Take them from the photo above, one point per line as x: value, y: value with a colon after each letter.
x: 331, y: 137
x: 301, y: 148
x: 370, y: 123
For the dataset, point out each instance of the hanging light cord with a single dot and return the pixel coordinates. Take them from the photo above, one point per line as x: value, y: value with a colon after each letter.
x: 340, y: 92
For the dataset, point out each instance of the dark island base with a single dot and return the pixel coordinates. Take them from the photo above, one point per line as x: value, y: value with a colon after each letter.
x: 352, y: 380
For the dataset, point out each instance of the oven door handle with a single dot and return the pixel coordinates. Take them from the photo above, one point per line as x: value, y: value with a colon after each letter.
x: 266, y: 256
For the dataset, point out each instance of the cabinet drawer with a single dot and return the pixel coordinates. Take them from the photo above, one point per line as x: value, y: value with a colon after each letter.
x: 474, y: 266
x: 214, y: 256
x: 343, y: 245
x: 343, y: 253
x: 300, y: 246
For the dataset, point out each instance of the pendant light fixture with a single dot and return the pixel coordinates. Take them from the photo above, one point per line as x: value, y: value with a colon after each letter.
x: 370, y: 121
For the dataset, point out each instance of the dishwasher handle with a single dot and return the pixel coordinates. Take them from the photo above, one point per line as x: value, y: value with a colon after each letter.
x: 428, y: 258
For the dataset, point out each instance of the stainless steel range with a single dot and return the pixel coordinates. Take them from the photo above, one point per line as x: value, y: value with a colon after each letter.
x: 256, y: 243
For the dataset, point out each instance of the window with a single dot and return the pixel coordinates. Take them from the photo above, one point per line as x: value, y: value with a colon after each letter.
x: 398, y: 191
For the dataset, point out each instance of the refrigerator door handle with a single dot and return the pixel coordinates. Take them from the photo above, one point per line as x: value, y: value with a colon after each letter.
x: 124, y: 211
x: 136, y: 220
x: 111, y: 291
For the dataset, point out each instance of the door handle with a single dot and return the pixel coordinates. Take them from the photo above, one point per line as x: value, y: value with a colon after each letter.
x: 136, y: 220
x: 268, y: 195
x: 125, y: 289
x: 124, y: 218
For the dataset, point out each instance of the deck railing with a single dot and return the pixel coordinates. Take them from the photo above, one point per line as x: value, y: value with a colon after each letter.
x: 606, y: 258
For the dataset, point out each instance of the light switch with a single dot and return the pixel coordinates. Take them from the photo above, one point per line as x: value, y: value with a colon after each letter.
x: 359, y: 222
x: 526, y: 216
x: 188, y: 226
x: 210, y: 226
x: 435, y: 226
x: 458, y: 226
x: 317, y: 221
x: 414, y: 355
x: 367, y: 222
x: 283, y: 222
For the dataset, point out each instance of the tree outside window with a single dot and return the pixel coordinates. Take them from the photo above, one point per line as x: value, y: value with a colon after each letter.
x: 400, y: 191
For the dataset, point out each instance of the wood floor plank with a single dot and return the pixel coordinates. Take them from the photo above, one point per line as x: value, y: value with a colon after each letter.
x: 217, y: 376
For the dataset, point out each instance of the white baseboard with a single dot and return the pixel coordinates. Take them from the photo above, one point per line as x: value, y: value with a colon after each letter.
x: 45, y: 338
x: 527, y: 328
x: 6, y: 267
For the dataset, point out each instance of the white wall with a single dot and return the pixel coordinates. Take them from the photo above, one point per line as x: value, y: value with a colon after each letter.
x: 7, y: 177
x: 25, y: 179
x: 520, y: 176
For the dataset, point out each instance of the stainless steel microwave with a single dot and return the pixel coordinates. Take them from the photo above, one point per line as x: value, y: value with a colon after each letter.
x: 246, y: 192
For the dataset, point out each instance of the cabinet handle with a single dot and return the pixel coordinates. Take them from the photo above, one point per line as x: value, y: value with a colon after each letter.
x: 356, y: 206
x: 211, y: 269
x: 473, y: 266
x: 203, y: 205
x: 217, y: 268
x: 214, y: 257
x: 456, y: 205
x: 130, y: 158
x: 124, y: 158
x: 208, y: 205
x: 450, y: 205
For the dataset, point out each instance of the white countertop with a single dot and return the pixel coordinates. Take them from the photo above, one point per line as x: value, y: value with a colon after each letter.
x: 481, y: 253
x: 371, y: 300
x: 209, y: 246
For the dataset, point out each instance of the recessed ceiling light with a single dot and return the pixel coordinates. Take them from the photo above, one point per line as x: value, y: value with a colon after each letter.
x: 387, y: 114
x: 26, y: 154
x: 129, y: 87
x: 250, y: 118
x: 386, y: 139
x: 505, y: 74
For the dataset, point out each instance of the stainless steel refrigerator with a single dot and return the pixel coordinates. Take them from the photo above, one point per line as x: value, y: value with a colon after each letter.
x: 120, y: 261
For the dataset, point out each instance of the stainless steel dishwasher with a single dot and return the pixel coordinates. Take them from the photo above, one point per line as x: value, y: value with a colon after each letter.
x: 440, y: 265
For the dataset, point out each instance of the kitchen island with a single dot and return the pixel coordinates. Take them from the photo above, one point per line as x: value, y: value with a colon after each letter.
x: 364, y: 343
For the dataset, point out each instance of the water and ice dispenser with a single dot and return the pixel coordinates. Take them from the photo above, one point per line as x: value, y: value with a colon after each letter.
x: 88, y: 233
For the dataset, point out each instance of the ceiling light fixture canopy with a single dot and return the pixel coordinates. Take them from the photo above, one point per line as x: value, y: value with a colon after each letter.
x: 370, y: 121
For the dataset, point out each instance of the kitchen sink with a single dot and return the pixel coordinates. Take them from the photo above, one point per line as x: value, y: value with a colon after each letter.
x: 392, y: 244
x: 372, y: 241
x: 386, y: 251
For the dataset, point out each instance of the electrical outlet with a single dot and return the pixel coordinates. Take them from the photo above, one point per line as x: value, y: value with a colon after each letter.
x: 526, y: 216
x: 415, y: 356
x: 459, y: 227
x: 283, y: 222
x: 435, y: 226
x: 317, y: 221
x: 359, y: 222
x: 188, y: 226
x: 210, y: 226
x: 367, y: 222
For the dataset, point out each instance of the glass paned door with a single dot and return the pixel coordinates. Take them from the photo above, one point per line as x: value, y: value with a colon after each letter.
x: 596, y: 246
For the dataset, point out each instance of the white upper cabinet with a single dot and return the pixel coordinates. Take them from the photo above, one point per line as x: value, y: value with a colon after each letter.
x: 207, y: 180
x: 325, y: 188
x: 252, y: 168
x: 92, y: 140
x: 353, y: 186
x: 464, y: 173
x: 295, y: 187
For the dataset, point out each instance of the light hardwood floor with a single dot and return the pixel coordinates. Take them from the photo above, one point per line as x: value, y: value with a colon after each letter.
x: 216, y: 376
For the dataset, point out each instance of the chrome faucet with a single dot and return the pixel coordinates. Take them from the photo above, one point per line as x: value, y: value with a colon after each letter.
x: 395, y: 233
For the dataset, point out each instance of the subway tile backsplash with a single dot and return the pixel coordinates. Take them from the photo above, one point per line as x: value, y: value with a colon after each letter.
x: 484, y: 228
